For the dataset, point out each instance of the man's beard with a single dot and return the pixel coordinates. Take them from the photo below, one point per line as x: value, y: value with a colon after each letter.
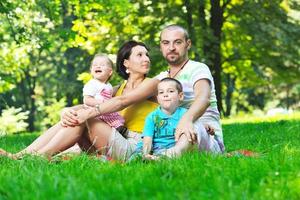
x: 175, y: 61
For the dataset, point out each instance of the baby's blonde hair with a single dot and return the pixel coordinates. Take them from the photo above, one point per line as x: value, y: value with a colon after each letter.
x: 109, y: 61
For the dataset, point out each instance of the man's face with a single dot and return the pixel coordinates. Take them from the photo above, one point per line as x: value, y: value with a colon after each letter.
x: 174, y: 46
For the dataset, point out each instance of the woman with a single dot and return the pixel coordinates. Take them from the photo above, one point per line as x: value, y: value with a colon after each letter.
x: 136, y: 93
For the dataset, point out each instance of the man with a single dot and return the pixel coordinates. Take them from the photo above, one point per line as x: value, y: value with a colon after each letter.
x: 198, y: 88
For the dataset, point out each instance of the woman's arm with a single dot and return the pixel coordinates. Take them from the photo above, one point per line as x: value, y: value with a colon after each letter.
x: 145, y: 90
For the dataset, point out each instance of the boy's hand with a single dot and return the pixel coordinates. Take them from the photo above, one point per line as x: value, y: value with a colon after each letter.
x: 150, y: 157
x: 209, y: 129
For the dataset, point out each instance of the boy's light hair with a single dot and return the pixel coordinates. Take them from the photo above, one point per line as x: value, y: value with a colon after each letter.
x: 178, y: 84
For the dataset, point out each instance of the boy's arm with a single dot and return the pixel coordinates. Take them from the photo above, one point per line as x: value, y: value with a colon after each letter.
x: 147, y: 145
x: 148, y: 133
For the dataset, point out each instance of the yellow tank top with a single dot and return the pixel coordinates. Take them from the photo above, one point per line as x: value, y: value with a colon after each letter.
x: 136, y: 114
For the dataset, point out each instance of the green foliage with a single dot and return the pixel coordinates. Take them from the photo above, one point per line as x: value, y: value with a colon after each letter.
x: 84, y: 77
x: 51, y: 112
x: 13, y: 120
x: 272, y: 175
x: 47, y: 45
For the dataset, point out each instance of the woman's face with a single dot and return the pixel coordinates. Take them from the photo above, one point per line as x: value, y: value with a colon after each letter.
x: 138, y: 62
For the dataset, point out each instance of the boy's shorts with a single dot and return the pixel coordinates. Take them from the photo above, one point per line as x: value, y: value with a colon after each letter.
x: 120, y: 148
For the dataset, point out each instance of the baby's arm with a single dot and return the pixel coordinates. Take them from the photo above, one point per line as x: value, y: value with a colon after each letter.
x: 91, y: 101
x: 93, y: 88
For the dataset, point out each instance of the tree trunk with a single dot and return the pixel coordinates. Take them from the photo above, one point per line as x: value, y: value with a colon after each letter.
x: 30, y: 82
x: 69, y: 55
x: 230, y: 83
x: 203, y: 28
x: 216, y: 23
x: 32, y: 112
x: 288, y: 88
x: 191, y: 27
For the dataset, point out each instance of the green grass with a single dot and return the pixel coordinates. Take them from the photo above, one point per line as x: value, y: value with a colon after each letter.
x: 273, y: 175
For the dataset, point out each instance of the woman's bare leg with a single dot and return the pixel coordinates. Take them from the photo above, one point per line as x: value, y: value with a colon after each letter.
x: 42, y: 140
x: 85, y: 143
x: 99, y: 134
x: 37, y: 144
x: 62, y: 140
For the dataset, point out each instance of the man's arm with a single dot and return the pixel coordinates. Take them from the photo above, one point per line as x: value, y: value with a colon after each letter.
x: 197, y: 109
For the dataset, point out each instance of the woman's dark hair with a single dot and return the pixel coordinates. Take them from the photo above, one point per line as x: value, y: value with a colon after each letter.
x: 124, y: 53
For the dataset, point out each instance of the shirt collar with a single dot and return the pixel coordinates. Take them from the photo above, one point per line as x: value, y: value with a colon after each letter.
x: 175, y: 115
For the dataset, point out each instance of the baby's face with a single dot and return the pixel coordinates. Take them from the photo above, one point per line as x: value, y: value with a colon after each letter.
x: 101, y: 69
x: 168, y: 96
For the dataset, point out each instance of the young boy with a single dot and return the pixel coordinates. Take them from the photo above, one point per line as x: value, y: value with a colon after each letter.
x: 98, y: 90
x: 160, y: 125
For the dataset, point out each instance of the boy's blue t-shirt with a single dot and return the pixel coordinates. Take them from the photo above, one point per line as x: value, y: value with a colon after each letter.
x: 161, y: 127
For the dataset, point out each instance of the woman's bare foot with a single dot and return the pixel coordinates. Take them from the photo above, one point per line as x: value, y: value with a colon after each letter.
x: 4, y: 153
x: 8, y: 154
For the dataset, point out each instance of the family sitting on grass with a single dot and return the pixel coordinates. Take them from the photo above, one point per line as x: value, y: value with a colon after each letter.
x: 150, y: 129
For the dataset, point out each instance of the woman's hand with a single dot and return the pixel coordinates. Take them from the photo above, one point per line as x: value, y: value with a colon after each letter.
x: 186, y: 126
x: 68, y: 117
x: 83, y: 115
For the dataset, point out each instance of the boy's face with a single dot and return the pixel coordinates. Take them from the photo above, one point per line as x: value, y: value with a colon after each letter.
x: 101, y: 69
x: 168, y: 96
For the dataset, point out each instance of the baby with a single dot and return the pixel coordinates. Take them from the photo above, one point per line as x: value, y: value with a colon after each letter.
x: 98, y: 90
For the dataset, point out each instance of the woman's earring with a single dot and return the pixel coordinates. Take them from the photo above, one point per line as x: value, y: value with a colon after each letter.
x: 127, y: 71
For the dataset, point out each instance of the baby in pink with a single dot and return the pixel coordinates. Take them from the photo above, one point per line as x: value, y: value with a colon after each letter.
x: 98, y: 90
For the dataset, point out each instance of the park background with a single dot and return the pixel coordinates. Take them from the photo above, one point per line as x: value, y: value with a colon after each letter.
x: 251, y: 47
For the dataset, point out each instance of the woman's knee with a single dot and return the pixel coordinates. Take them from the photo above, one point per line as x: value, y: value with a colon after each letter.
x: 97, y: 127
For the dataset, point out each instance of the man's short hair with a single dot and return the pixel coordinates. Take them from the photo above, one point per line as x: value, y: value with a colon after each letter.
x: 178, y: 84
x: 175, y: 26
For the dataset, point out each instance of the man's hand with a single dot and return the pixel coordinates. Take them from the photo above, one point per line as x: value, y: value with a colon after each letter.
x: 68, y: 117
x: 186, y: 126
x: 209, y: 129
